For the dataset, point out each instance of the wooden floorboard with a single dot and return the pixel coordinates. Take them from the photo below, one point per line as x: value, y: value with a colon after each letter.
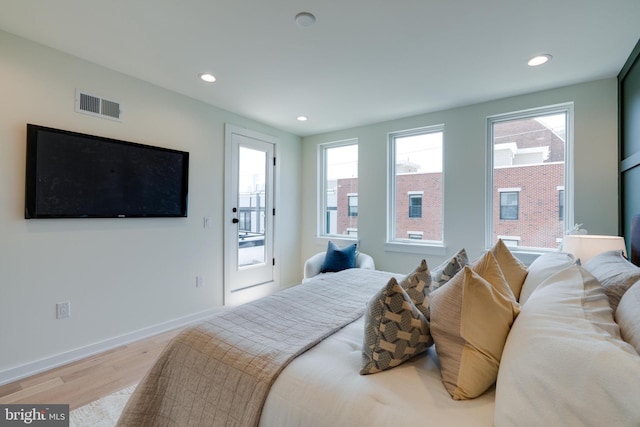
x: 89, y: 379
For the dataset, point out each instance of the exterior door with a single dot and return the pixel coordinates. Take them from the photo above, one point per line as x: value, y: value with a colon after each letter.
x: 249, y: 212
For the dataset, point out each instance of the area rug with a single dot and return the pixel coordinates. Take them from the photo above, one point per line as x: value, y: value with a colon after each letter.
x: 103, y: 412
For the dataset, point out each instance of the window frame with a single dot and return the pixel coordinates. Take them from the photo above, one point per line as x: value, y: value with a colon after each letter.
x: 322, y: 222
x: 404, y: 244
x: 528, y: 254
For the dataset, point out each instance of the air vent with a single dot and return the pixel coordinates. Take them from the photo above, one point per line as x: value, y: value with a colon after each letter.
x: 97, y: 106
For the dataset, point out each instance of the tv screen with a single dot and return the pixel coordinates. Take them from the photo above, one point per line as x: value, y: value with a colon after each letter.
x: 73, y: 175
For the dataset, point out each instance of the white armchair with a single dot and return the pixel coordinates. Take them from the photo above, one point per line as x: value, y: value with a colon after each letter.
x: 313, y: 265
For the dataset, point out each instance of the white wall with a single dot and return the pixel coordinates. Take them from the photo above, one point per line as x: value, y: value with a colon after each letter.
x: 595, y: 156
x: 119, y: 275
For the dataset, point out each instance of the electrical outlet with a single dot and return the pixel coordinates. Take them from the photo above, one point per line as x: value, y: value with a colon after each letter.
x: 199, y: 281
x: 63, y: 310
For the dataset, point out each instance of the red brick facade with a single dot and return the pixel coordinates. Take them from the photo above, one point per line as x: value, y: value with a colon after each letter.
x: 346, y: 222
x: 430, y: 223
x: 538, y: 224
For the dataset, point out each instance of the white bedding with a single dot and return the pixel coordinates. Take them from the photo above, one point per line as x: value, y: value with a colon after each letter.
x: 565, y: 363
x: 323, y: 387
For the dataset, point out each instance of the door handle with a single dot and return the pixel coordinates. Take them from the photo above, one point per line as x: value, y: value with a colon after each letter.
x: 235, y: 220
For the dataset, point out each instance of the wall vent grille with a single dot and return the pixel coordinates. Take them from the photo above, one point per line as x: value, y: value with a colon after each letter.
x: 97, y: 106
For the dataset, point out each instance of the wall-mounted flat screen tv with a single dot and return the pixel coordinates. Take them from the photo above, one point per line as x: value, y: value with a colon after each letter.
x: 73, y: 175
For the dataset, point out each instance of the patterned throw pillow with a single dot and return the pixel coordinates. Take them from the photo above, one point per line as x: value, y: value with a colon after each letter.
x: 445, y: 271
x: 395, y: 330
x: 470, y: 321
x: 418, y: 286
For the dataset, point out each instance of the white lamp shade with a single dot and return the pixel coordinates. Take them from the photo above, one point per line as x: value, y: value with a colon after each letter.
x: 586, y: 246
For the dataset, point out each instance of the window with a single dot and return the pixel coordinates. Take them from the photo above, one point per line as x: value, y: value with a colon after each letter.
x: 415, y: 206
x: 510, y: 241
x: 531, y: 176
x: 415, y: 165
x: 352, y: 204
x: 245, y: 220
x: 509, y: 205
x: 338, y: 188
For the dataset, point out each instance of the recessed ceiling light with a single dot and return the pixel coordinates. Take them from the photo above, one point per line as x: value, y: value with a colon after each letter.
x: 539, y: 60
x: 302, y: 118
x: 207, y: 77
x: 305, y: 19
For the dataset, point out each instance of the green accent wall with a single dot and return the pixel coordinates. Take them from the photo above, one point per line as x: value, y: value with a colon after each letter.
x: 629, y: 137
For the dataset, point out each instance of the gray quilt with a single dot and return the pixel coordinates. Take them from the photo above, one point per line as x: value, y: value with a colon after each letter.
x: 219, y: 372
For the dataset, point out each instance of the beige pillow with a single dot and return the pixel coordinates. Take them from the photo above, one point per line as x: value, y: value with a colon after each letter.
x: 395, y: 330
x: 470, y: 320
x: 418, y: 286
x: 628, y: 316
x: 614, y: 272
x: 514, y: 271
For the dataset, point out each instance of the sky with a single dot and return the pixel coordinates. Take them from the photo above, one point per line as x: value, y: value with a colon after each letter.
x: 425, y: 150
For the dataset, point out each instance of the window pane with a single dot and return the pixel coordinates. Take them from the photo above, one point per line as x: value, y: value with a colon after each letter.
x: 340, y: 185
x: 415, y: 207
x: 509, y: 205
x: 251, y: 200
x: 353, y: 205
x: 529, y: 154
x: 417, y: 172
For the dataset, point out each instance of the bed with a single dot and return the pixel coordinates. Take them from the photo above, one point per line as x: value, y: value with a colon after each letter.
x: 514, y: 345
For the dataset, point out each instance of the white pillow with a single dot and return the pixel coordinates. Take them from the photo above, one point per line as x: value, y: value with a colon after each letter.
x: 564, y: 363
x: 628, y: 316
x: 615, y: 273
x: 543, y: 267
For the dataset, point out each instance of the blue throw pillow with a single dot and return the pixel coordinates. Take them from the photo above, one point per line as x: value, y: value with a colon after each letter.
x: 338, y: 259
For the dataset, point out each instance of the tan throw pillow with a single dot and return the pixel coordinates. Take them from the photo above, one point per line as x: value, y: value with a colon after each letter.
x: 614, y: 272
x: 418, y: 285
x: 470, y: 321
x: 514, y: 271
x: 445, y: 271
x: 394, y: 330
x: 628, y: 316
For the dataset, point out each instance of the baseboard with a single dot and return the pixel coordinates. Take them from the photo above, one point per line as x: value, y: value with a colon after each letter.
x: 32, y: 368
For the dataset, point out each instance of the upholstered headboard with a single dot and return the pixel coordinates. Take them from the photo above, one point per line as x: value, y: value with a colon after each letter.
x: 629, y: 151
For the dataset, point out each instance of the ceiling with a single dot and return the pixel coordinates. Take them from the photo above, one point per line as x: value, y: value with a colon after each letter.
x: 363, y: 61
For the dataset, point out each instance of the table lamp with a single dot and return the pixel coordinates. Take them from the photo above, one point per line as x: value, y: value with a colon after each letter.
x: 586, y: 246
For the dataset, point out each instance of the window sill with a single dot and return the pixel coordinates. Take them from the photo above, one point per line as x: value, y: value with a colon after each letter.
x: 338, y: 240
x: 528, y: 255
x: 416, y: 248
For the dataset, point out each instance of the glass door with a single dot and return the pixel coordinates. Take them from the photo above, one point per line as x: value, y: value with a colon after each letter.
x: 249, y: 211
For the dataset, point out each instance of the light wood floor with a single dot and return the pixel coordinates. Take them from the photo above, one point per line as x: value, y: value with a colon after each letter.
x: 86, y: 380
